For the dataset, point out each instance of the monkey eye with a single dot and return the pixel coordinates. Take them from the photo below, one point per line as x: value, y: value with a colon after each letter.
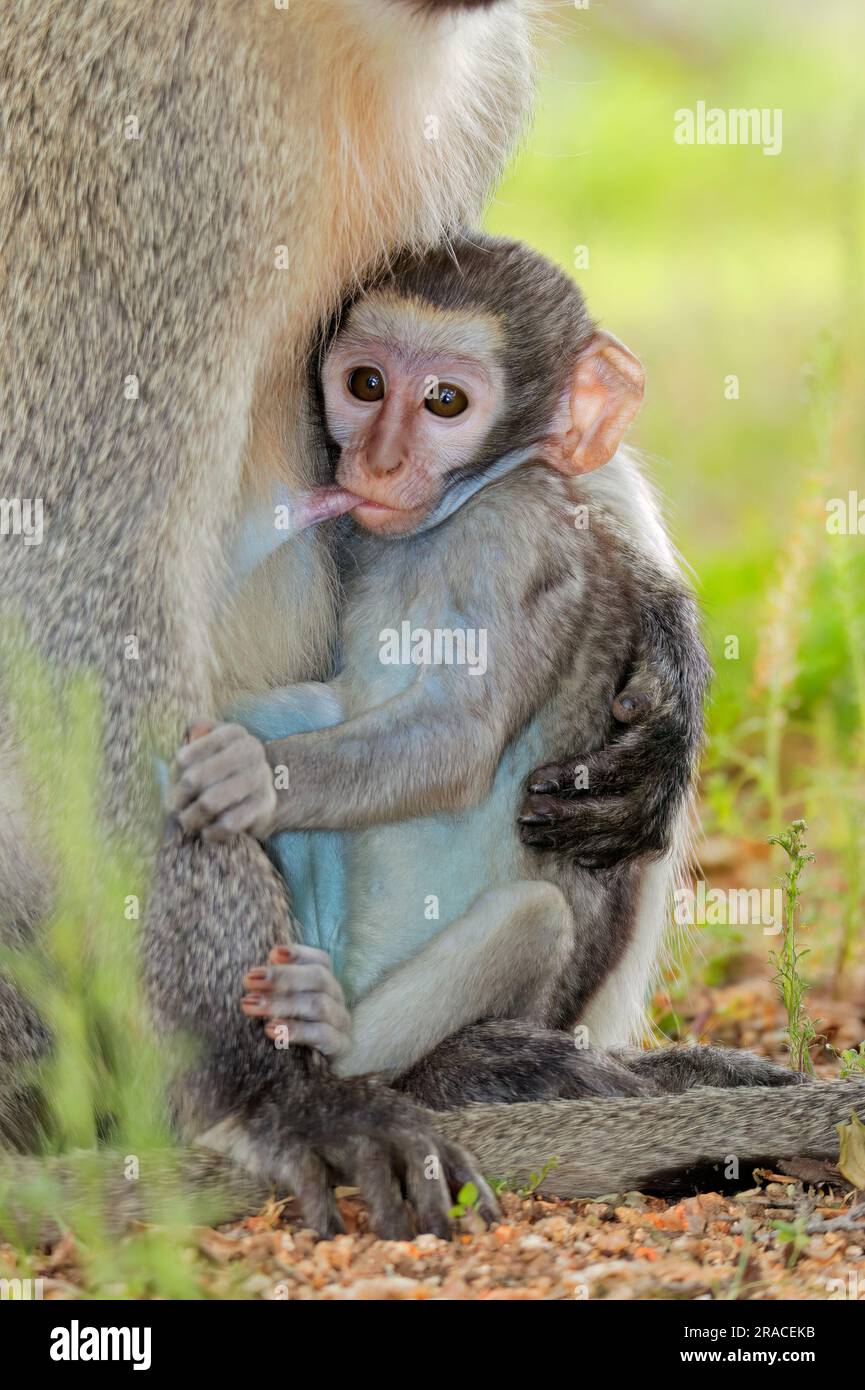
x: 450, y: 401
x: 366, y: 383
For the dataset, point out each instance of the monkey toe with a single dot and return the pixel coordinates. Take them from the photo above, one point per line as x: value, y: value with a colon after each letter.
x: 389, y: 1216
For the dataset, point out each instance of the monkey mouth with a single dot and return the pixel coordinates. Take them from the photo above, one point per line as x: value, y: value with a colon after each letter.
x: 369, y: 513
x: 323, y: 503
x: 375, y: 506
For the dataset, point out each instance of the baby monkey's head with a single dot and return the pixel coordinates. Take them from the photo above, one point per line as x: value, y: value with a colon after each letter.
x: 458, y: 359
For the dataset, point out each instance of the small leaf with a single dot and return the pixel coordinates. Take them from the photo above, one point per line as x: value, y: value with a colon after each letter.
x: 851, y: 1160
x: 468, y: 1195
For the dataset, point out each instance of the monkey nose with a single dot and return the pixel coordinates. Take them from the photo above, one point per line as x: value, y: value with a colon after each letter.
x: 391, y: 463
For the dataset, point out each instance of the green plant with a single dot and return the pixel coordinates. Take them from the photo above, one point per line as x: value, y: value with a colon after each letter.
x: 737, y: 1283
x: 794, y: 1235
x: 103, y: 1082
x: 800, y: 1030
x: 535, y: 1179
x: 852, y: 1061
x: 467, y: 1200
x: 500, y: 1185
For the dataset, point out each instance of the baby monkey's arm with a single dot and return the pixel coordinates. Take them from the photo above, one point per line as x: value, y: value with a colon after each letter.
x: 433, y: 748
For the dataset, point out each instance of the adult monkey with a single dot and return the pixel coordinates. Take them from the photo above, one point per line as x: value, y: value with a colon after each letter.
x: 163, y: 162
x: 188, y: 190
x: 187, y: 193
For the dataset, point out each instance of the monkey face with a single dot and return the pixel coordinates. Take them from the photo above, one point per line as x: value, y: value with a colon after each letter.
x: 410, y: 397
x: 417, y: 397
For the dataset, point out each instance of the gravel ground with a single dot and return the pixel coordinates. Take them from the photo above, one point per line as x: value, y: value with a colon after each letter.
x: 799, y: 1234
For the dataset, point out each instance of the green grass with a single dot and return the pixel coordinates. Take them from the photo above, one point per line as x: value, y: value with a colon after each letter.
x: 103, y: 1083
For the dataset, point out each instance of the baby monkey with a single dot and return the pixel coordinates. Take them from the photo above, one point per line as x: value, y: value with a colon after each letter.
x: 493, y: 591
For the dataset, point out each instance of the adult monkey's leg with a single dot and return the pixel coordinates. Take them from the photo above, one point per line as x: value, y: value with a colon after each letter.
x: 146, y: 191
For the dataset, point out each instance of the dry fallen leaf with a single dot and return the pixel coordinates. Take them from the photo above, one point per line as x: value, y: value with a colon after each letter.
x: 851, y: 1159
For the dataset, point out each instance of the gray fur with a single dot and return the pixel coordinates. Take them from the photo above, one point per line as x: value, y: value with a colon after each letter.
x: 636, y: 1144
x: 155, y: 256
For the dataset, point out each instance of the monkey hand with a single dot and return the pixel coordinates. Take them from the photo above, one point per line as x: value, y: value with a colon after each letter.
x: 223, y: 785
x: 619, y: 802
x: 299, y: 999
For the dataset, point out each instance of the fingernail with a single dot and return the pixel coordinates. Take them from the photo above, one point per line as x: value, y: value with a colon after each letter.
x: 544, y: 788
x: 252, y: 1001
x: 536, y: 818
x: 282, y: 955
x: 256, y: 976
x: 197, y: 730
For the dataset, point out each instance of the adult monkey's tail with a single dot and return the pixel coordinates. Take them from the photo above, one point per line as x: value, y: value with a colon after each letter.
x: 666, y: 1143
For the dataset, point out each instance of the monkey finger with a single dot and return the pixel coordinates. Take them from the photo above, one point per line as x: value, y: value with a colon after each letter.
x: 320, y: 1037
x: 597, y: 832
x: 244, y: 755
x: 594, y: 774
x: 306, y: 1174
x: 313, y: 1008
x: 541, y: 810
x: 252, y: 815
x: 548, y: 780
x: 423, y: 1176
x: 208, y: 744
x: 211, y: 804
x: 217, y: 834
x: 298, y: 953
x: 568, y: 779
x: 632, y: 704
x: 591, y: 812
x: 389, y: 1216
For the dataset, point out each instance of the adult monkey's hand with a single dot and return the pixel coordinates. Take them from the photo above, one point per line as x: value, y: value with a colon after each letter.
x: 622, y: 800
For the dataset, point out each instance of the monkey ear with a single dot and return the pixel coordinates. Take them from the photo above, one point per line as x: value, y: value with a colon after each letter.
x: 603, y: 399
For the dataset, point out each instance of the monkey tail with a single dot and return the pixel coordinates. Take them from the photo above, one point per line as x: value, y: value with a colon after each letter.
x: 667, y: 1143
x: 41, y: 1196
x: 703, y: 1138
